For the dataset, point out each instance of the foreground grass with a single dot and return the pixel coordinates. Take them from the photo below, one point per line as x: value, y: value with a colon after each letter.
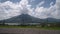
x: 36, y: 27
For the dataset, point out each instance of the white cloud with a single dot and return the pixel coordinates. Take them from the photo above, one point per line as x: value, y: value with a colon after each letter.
x: 57, y: 5
x: 40, y: 12
x: 9, y: 9
x: 53, y: 11
x: 41, y: 3
x: 51, y: 3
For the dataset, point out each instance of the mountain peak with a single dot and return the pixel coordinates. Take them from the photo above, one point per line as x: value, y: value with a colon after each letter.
x: 24, y: 15
x: 23, y: 18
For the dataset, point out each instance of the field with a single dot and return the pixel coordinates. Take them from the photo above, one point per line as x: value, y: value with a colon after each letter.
x: 27, y: 31
x: 13, y: 29
x: 32, y: 26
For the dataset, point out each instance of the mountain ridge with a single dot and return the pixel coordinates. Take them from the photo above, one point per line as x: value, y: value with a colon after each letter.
x: 25, y: 18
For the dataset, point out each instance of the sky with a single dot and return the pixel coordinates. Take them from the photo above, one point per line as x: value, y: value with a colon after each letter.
x: 37, y: 8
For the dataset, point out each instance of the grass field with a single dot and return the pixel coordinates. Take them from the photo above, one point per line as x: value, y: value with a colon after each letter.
x: 36, y: 27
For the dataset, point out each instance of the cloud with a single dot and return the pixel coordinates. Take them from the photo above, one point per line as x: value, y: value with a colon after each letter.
x: 57, y: 5
x: 9, y: 9
x: 41, y: 12
x: 41, y: 3
x: 51, y: 3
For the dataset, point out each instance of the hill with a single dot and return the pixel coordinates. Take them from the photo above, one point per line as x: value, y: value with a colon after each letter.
x: 25, y: 18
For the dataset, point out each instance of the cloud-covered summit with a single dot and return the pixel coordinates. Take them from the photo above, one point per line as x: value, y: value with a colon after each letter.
x: 8, y: 9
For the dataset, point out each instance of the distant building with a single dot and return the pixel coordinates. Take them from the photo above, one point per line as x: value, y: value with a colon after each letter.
x: 12, y: 23
x: 21, y: 23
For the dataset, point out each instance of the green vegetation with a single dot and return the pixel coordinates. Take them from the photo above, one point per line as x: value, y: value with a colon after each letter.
x: 32, y: 26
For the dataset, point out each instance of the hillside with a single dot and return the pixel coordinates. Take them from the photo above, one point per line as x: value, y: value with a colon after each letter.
x: 25, y: 18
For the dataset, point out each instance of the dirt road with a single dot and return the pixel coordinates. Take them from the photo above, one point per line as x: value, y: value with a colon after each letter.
x: 27, y: 31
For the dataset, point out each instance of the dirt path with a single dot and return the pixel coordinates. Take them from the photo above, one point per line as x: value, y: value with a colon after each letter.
x: 27, y: 31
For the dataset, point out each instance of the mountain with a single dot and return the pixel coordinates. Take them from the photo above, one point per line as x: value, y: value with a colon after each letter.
x: 52, y: 20
x: 25, y: 18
